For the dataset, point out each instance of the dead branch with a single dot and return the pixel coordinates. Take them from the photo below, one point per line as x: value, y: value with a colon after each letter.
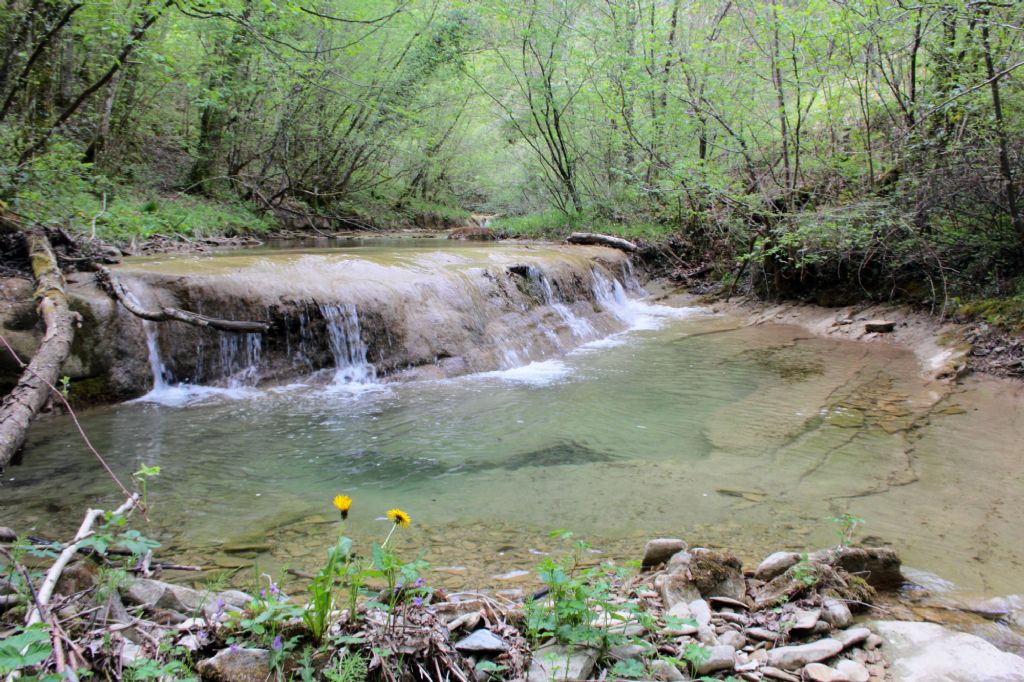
x: 166, y: 313
x: 601, y: 240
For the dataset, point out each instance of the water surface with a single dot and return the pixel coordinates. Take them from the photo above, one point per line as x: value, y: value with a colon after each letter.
x: 695, y: 426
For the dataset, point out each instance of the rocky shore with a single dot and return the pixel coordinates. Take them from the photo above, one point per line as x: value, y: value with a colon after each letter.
x: 688, y: 613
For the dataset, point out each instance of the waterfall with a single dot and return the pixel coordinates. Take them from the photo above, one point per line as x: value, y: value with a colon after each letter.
x: 347, y: 346
x: 579, y: 327
x: 240, y: 358
x: 610, y: 295
x: 156, y: 363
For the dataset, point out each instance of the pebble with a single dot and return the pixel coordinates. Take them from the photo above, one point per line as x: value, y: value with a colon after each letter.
x: 836, y: 613
x: 819, y: 672
x: 851, y: 636
x: 853, y: 670
x: 794, y: 657
x: 720, y: 657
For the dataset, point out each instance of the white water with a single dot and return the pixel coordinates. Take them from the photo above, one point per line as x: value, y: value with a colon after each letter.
x: 580, y: 328
x: 239, y: 354
x: 347, y: 345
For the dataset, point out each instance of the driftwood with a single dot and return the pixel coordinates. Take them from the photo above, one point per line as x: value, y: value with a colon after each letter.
x: 166, y: 313
x: 30, y: 394
x: 37, y: 612
x: 601, y: 240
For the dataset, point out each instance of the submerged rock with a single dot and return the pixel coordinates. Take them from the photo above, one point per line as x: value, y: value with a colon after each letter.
x: 924, y: 652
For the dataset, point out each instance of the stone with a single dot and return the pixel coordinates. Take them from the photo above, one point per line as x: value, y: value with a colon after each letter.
x: 879, y: 326
x: 660, y: 550
x: 819, y: 672
x: 775, y: 565
x: 717, y: 574
x: 836, y: 613
x: 130, y: 652
x: 854, y: 671
x: 681, y: 611
x: 7, y: 535
x: 707, y: 637
x: 872, y: 642
x: 720, y: 657
x: 851, y: 636
x: 625, y: 652
x: 482, y: 641
x: 734, y: 639
x: 802, y: 619
x: 763, y: 634
x: 794, y: 657
x: 700, y: 612
x: 917, y: 652
x: 665, y: 671
x: 675, y: 589
x: 557, y: 663
x: 776, y: 674
x: 236, y: 665
x: 878, y: 566
x: 679, y: 563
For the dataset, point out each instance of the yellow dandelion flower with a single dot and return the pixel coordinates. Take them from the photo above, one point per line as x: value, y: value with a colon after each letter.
x: 399, y: 517
x: 343, y: 503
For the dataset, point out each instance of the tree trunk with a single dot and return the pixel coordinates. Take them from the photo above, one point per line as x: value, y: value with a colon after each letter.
x: 30, y: 394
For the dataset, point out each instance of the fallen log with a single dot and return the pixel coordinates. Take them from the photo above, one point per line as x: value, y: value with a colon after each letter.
x: 32, y: 391
x: 601, y: 240
x: 166, y: 313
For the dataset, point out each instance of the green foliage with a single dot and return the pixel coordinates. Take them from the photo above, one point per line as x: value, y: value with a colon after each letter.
x: 846, y: 525
x: 556, y: 224
x: 804, y: 571
x: 351, y: 667
x: 578, y: 607
x: 28, y: 648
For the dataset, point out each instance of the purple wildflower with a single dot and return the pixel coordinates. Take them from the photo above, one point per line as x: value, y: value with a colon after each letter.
x: 263, y: 593
x: 277, y: 644
x: 420, y: 582
x: 417, y: 601
x: 234, y: 647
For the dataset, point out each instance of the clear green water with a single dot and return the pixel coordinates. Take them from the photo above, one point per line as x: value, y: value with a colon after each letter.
x: 745, y: 437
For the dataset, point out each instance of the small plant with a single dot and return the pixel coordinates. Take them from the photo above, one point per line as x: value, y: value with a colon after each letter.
x: 350, y: 668
x: 805, y: 572
x: 25, y: 650
x: 845, y: 526
x: 65, y: 385
x: 142, y: 477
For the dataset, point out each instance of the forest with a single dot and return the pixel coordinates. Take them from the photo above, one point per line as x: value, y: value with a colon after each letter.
x: 871, y: 147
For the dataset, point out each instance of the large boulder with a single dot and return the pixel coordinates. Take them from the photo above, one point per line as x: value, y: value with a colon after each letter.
x: 717, y: 574
x: 877, y: 566
x: 924, y: 652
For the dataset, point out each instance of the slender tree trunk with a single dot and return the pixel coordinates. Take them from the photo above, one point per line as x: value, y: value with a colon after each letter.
x: 1005, y: 168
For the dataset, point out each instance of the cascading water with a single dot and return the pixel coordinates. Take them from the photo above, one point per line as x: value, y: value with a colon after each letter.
x: 240, y: 358
x: 156, y: 364
x: 347, y: 346
x: 579, y: 327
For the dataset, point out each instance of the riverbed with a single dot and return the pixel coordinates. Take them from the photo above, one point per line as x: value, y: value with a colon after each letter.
x: 686, y: 423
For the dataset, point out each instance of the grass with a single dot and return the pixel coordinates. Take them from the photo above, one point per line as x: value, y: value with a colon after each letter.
x: 554, y: 224
x: 1005, y: 313
x: 139, y: 216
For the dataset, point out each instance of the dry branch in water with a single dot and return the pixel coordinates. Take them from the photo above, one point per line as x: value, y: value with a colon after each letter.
x: 166, y: 313
x: 601, y: 240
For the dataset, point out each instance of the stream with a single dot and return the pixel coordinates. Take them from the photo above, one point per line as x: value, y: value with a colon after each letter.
x: 680, y: 423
